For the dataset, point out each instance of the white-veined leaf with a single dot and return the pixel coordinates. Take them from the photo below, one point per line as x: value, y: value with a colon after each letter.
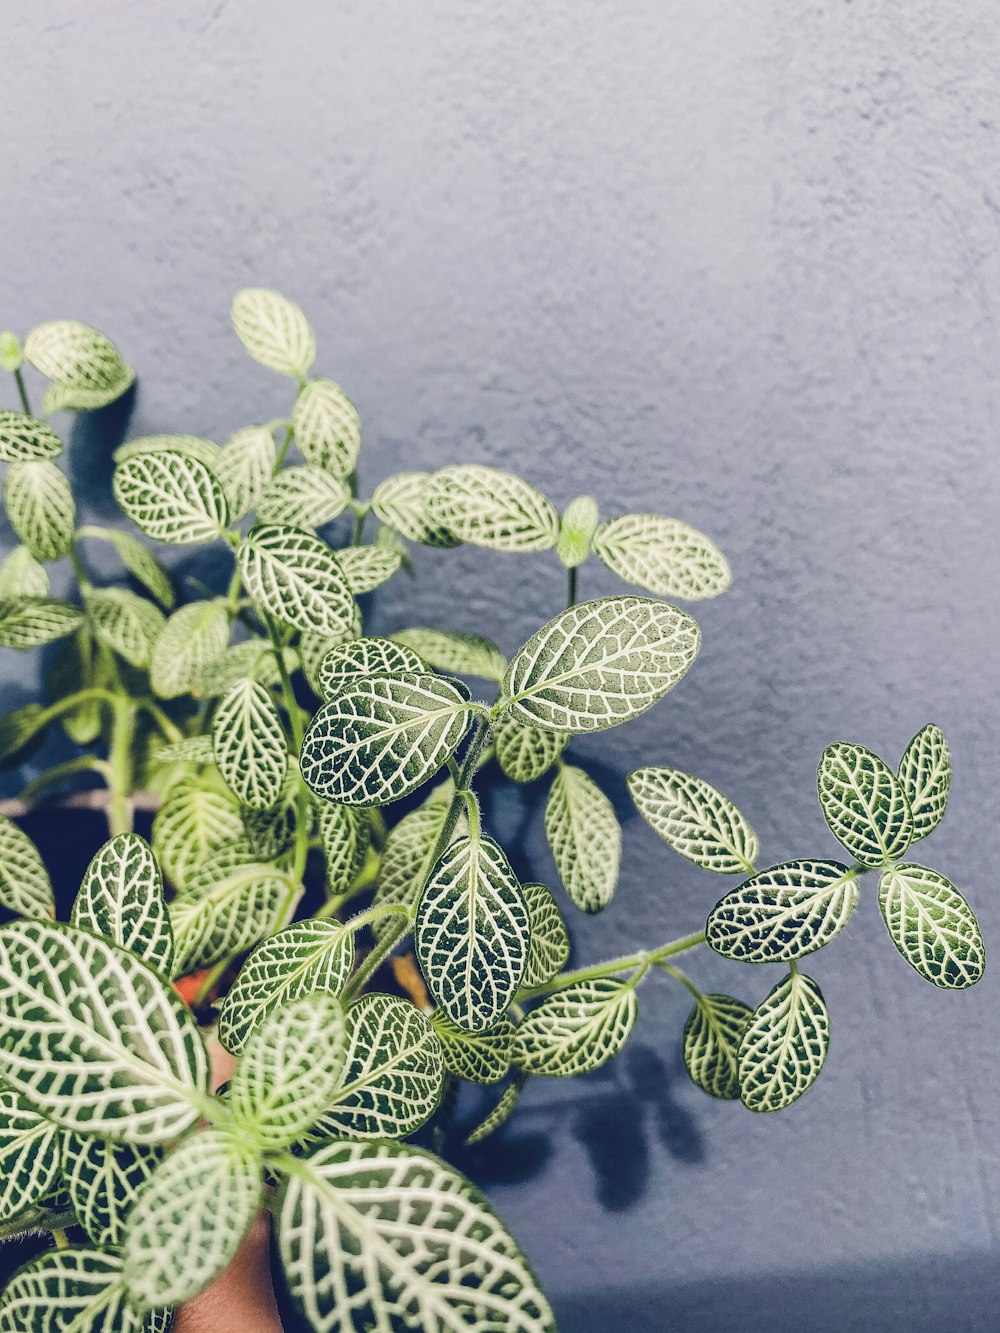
x: 365, y: 657
x: 576, y: 1029
x: 488, y: 507
x: 445, y: 1260
x: 233, y: 903
x: 40, y: 507
x: 380, y: 737
x: 406, y: 860
x: 393, y: 1074
x: 21, y: 575
x: 307, y: 956
x: 171, y: 496
x: 244, y: 466
x: 663, y: 555
x: 25, y: 886
x: 784, y: 1045
x: 191, y: 750
x: 138, y: 560
x: 195, y: 820
x: 327, y: 427
x: 784, y: 912
x: 500, y: 1114
x: 274, y: 331
x: 23, y: 438
x: 925, y: 774
x: 367, y: 567
x: 455, y: 653
x: 191, y: 1216
x: 472, y: 933
x: 289, y: 1070
x: 600, y: 663
x: 29, y: 1155
x: 250, y: 659
x: 295, y: 577
x: 121, y: 897
x: 75, y: 398
x: 695, y: 819
x: 74, y: 355
x: 305, y: 497
x: 478, y: 1057
x: 712, y: 1036
x: 29, y: 622
x: 577, y: 526
x: 864, y: 804
x: 102, y: 1180
x: 399, y: 502
x: 313, y: 648
x: 191, y: 446
x: 346, y: 833
x: 250, y: 746
x: 271, y: 832
x: 525, y: 753
x: 126, y: 623
x: 585, y: 838
x: 191, y: 640
x: 74, y: 1290
x: 549, y: 938
x: 94, y: 1038
x: 932, y: 926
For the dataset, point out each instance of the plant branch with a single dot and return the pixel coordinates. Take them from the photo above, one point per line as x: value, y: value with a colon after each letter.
x: 629, y: 962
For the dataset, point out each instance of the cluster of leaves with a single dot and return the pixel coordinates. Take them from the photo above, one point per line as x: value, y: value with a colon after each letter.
x: 274, y: 732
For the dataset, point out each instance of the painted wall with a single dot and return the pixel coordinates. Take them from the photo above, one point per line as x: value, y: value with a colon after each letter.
x: 740, y: 264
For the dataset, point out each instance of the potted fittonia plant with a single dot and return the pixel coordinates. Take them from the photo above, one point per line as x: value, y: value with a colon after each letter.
x: 274, y: 734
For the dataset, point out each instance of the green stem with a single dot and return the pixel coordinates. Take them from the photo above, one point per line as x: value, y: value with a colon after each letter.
x: 283, y: 449
x: 82, y: 577
x: 680, y: 976
x: 22, y: 391
x: 644, y: 959
x: 120, y: 765
x: 60, y: 1238
x: 170, y: 730
x: 301, y: 854
x: 359, y: 526
x: 383, y: 947
x: 571, y: 587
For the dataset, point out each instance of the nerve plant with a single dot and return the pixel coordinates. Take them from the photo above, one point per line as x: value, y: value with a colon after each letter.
x: 274, y: 732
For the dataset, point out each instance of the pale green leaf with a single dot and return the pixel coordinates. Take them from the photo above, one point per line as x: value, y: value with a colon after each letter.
x: 19, y: 728
x: 600, y: 663
x: 366, y: 568
x: 712, y: 1036
x: 74, y: 354
x: 121, y: 897
x: 138, y: 560
x: 29, y: 1155
x: 94, y: 1038
x: 251, y: 659
x: 455, y: 653
x: 500, y: 1113
x: 478, y: 1057
x: 305, y: 497
x: 399, y: 501
x: 250, y: 746
x: 663, y: 555
x: 191, y: 750
x: 379, y: 738
x: 695, y: 819
x: 327, y: 428
x: 195, y: 820
x: 171, y: 496
x: 925, y: 774
x: 274, y: 331
x: 784, y: 1045
x: 576, y: 1029
x: 549, y: 938
x: 21, y: 575
x: 231, y: 904
x: 784, y: 912
x: 25, y: 886
x: 406, y: 861
x: 292, y: 575
x: 864, y: 804
x: 189, y: 643
x: 191, y: 446
x: 346, y: 834
x: 577, y: 526
x: 244, y: 466
x: 76, y: 398
x: 472, y: 932
x: 40, y: 507
x: 74, y: 1290
x: 585, y: 838
x: 102, y: 1180
x: 488, y: 507
x: 313, y: 648
x: 23, y: 438
x: 525, y: 753
x: 365, y: 657
x: 932, y: 926
x: 29, y: 622
x: 125, y: 623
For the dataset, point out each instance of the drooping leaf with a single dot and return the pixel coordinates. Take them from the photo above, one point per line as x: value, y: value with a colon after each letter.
x: 191, y: 640
x: 365, y: 657
x: 472, y: 932
x: 244, y: 466
x: 407, y: 858
x: 29, y: 1155
x: 23, y: 438
x: 585, y: 838
x: 479, y: 1057
x: 72, y: 398
x: 310, y: 955
x: 125, y: 623
x: 138, y: 560
x: 399, y: 501
x: 295, y: 577
x: 549, y: 938
x: 577, y: 1029
x: 327, y: 428
x: 785, y: 912
x: 121, y: 897
x: 488, y: 507
x: 380, y: 737
x: 21, y: 575
x: 29, y: 622
x: 712, y: 1036
x: 74, y: 1289
x: 274, y: 331
x: 94, y: 1038
x: 454, y: 653
x: 500, y: 1113
x: 525, y: 753
x: 305, y: 497
x: 191, y: 1216
x: 784, y: 1045
x: 195, y: 820
x: 925, y: 775
x: 25, y: 887
x: 695, y: 819
x: 663, y: 555
x: 932, y: 926
x: 171, y: 496
x: 76, y: 356
x: 232, y: 903
x: 40, y: 507
x: 249, y: 744
x: 600, y: 663
x: 864, y: 804
x: 20, y: 729
x: 102, y: 1179
x: 346, y: 834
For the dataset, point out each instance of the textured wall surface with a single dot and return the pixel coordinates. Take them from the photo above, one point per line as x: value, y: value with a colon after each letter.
x: 736, y: 263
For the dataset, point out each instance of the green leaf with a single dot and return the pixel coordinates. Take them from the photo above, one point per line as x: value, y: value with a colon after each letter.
x: 21, y: 575
x: 479, y: 1057
x: 925, y: 775
x: 251, y: 659
x: 313, y: 648
x: 367, y: 567
x: 864, y: 804
x: 712, y: 1036
x: 102, y: 1180
x: 274, y: 331
x: 445, y: 1261
x: 305, y: 497
x: 191, y: 640
x: 250, y: 746
x: 932, y: 926
x: 191, y: 446
x: 381, y: 737
x: 399, y: 501
x: 29, y: 1155
x: 455, y: 653
x: 549, y: 938
x: 311, y: 955
x: 576, y: 531
x: 29, y: 622
x: 695, y: 819
x: 663, y: 555
x: 74, y: 1290
x: 365, y: 657
x: 234, y: 902
x: 18, y: 729
x: 525, y: 753
x: 406, y: 861
x: 172, y: 497
x: 195, y: 820
x: 488, y: 507
x: 289, y: 1070
x: 74, y: 354
x: 472, y: 933
x: 125, y: 623
x: 138, y: 560
x: 346, y: 833
x: 577, y: 1029
x: 244, y: 467
x: 500, y: 1114
x: 191, y: 750
x: 784, y: 1045
x: 191, y: 1216
x: 94, y: 1038
x: 74, y: 398
x: 23, y: 437
x: 77, y: 665
x: 600, y: 663
x: 271, y: 833
x: 25, y: 886
x: 327, y: 428
x: 40, y: 507
x: 585, y: 838
x: 785, y: 912
x: 295, y: 577
x: 121, y: 897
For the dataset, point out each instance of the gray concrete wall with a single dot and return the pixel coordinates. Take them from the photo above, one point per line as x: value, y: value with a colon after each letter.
x: 736, y: 263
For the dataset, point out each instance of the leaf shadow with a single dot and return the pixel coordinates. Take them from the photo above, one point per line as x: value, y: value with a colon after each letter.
x: 94, y: 437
